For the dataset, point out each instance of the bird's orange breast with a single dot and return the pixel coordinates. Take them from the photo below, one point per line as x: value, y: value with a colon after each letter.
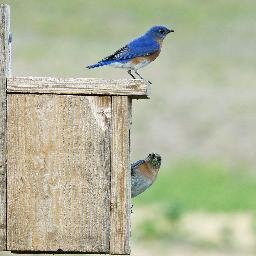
x: 148, y: 58
x: 146, y: 171
x: 153, y: 56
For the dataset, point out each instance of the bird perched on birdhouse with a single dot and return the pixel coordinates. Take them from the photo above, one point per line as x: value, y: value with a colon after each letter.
x: 138, y: 53
x: 144, y: 173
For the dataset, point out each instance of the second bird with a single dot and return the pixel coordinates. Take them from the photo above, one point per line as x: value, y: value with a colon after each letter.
x: 144, y: 173
x: 138, y: 53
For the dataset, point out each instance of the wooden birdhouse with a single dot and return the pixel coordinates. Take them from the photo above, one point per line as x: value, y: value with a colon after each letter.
x: 64, y: 160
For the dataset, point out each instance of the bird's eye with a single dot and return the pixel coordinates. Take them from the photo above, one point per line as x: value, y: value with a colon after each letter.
x: 161, y: 31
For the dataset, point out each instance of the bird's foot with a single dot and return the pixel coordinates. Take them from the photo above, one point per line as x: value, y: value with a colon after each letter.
x: 147, y: 81
x: 130, y: 73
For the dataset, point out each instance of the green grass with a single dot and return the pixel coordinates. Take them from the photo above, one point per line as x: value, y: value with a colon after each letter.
x: 200, y: 186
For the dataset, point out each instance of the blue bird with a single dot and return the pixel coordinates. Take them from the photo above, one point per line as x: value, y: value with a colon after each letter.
x: 138, y: 53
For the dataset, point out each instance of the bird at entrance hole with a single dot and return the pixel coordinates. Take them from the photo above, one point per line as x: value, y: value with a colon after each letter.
x: 138, y: 53
x: 144, y: 173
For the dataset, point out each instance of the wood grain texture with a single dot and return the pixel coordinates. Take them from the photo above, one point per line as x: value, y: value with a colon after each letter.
x: 4, y: 72
x: 85, y: 86
x: 120, y: 176
x: 58, y: 173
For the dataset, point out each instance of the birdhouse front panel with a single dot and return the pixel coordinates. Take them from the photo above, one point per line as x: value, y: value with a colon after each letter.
x: 58, y: 172
x: 68, y: 164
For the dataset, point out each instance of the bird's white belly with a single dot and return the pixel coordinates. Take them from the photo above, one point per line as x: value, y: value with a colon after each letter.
x: 129, y: 65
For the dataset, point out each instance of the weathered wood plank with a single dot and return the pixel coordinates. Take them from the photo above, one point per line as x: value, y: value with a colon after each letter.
x: 5, y: 43
x: 120, y: 176
x: 4, y: 72
x: 58, y: 173
x: 86, y: 86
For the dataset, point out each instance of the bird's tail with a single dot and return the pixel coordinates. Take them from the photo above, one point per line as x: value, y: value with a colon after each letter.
x: 99, y: 64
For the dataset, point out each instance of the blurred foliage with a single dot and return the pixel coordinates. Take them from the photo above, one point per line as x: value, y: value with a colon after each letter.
x: 149, y: 230
x: 226, y: 236
x: 254, y: 224
x: 173, y: 211
x: 159, y: 228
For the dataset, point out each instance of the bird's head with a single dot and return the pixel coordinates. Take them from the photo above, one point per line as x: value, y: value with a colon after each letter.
x: 154, y: 159
x: 159, y: 32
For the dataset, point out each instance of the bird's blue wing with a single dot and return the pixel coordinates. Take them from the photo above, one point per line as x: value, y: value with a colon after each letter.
x: 141, y: 46
x: 135, y: 165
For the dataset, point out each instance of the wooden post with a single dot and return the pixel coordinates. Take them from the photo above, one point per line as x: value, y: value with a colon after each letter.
x: 5, y: 71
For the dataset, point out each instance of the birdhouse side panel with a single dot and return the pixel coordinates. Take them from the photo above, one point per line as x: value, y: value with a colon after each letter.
x: 58, y: 173
x: 120, y: 176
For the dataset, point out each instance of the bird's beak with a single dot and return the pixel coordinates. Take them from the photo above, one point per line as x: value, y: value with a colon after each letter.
x: 170, y: 30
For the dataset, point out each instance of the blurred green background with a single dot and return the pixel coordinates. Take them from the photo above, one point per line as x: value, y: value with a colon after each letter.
x: 200, y: 118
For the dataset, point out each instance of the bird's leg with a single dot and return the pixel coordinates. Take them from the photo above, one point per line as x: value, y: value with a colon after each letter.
x: 130, y: 73
x: 141, y: 77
